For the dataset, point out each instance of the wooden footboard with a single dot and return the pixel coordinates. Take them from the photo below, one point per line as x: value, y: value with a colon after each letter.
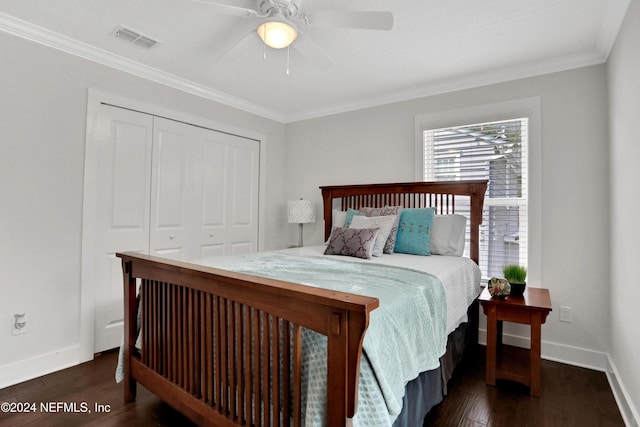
x: 209, y: 347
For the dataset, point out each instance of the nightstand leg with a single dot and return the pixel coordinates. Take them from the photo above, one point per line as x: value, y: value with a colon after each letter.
x: 536, y: 371
x: 491, y: 345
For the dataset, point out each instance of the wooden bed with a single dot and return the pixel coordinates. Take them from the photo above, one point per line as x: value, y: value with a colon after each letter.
x: 204, y: 347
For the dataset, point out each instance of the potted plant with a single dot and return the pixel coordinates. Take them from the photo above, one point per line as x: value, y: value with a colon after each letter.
x: 515, y: 275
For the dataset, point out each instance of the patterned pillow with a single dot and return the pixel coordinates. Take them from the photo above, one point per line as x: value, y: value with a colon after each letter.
x: 387, y: 210
x: 384, y: 223
x: 414, y: 231
x: 355, y: 242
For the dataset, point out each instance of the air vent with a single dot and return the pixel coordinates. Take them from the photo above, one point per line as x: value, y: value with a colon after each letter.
x: 134, y: 37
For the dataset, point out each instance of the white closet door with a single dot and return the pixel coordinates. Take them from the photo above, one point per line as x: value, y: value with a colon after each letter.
x: 172, y: 197
x: 242, y: 205
x: 123, y: 141
x: 164, y: 188
x: 226, y: 209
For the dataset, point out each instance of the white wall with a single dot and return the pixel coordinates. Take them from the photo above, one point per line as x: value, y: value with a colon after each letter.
x: 43, y: 102
x: 377, y: 145
x: 624, y: 113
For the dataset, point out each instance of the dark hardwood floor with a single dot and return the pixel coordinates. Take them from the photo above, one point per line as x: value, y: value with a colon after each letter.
x: 571, y: 397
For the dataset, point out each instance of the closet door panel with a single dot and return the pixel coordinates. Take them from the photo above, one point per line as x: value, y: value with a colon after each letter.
x: 210, y: 231
x: 171, y: 199
x: 243, y: 198
x: 119, y: 219
x: 228, y: 202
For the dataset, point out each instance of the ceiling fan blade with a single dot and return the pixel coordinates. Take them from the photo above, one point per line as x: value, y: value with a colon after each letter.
x: 365, y: 20
x: 311, y: 51
x: 237, y: 36
x: 234, y: 7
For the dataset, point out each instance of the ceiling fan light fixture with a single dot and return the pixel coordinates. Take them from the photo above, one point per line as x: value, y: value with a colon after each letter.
x: 277, y: 34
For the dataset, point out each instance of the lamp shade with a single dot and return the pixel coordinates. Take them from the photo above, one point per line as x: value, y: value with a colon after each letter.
x: 277, y: 33
x: 301, y: 211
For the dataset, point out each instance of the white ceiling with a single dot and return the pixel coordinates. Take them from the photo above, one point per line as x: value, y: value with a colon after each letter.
x: 435, y: 46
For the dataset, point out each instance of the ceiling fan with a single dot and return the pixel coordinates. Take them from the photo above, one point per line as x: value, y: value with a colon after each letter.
x: 282, y: 24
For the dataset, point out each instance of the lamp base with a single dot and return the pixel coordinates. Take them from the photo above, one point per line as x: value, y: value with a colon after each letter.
x: 300, y: 239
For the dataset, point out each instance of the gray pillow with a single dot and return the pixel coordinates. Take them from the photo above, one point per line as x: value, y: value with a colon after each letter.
x: 355, y: 242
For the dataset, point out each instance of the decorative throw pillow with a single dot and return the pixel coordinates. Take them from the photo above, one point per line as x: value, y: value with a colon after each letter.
x: 387, y: 210
x: 355, y: 242
x: 384, y: 223
x: 337, y: 220
x: 350, y: 214
x: 414, y: 231
x: 338, y: 217
x: 448, y: 234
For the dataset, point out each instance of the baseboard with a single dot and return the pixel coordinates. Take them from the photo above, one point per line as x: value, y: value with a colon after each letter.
x: 556, y: 352
x: 34, y: 367
x: 627, y: 410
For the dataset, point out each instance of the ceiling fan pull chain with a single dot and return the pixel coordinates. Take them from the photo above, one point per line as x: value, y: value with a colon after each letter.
x: 288, y: 50
x: 264, y: 45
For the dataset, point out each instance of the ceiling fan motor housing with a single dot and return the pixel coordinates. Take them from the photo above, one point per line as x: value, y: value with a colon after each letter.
x: 286, y: 8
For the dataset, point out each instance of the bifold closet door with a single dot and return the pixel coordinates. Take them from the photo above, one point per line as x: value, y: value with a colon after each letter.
x: 226, y: 210
x: 173, y: 178
x: 165, y: 188
x: 204, y: 196
x: 117, y: 192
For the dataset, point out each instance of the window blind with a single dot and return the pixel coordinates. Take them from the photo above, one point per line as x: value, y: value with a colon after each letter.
x: 496, y: 151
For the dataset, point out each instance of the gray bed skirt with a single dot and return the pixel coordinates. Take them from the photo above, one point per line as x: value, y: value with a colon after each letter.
x: 430, y: 387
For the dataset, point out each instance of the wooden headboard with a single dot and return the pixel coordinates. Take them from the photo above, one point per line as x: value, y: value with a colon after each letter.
x: 439, y: 195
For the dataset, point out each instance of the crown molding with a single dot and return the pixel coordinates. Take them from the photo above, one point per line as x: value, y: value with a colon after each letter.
x: 486, y: 78
x: 34, y: 33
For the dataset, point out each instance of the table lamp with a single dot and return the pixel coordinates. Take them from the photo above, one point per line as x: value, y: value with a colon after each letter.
x: 301, y: 212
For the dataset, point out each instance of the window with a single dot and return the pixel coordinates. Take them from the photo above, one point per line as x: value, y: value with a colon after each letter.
x: 496, y: 151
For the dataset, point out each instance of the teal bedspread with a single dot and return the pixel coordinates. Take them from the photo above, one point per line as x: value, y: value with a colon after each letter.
x: 406, y: 335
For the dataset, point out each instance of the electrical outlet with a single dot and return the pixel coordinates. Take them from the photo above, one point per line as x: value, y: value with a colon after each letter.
x: 565, y: 313
x: 19, y: 324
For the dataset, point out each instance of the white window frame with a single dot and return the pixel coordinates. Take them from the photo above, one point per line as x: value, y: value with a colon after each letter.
x: 527, y: 107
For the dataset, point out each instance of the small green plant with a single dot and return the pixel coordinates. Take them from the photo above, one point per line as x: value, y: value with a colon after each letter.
x: 514, y: 273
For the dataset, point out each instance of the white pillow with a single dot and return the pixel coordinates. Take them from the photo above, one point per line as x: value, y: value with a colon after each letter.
x: 447, y: 234
x: 337, y: 218
x: 384, y: 223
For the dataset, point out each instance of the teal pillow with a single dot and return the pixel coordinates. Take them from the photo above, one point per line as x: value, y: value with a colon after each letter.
x: 414, y: 231
x: 350, y: 214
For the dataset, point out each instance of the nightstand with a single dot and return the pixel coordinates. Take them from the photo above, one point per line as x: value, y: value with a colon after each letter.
x: 531, y: 309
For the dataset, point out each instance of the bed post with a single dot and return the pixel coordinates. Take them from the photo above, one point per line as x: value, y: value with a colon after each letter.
x: 477, y: 191
x: 130, y: 329
x: 327, y: 205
